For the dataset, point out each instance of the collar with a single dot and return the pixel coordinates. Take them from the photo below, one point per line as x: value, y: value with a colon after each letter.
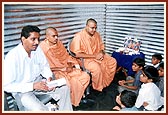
x: 23, y: 51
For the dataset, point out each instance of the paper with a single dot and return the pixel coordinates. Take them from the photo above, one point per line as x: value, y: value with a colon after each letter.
x: 56, y: 83
x: 77, y: 66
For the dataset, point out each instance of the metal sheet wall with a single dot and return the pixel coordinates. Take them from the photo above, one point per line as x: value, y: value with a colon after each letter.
x: 67, y: 18
x: 144, y: 21
x: 115, y: 21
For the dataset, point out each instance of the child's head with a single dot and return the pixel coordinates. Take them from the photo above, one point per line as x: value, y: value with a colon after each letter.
x: 149, y: 74
x: 161, y: 69
x: 156, y: 58
x: 128, y: 98
x: 138, y: 64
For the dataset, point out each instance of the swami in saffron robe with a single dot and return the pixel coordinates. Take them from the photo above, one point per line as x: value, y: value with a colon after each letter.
x: 102, y: 71
x: 58, y: 57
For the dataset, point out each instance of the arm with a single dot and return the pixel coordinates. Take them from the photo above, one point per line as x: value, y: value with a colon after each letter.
x: 44, y: 65
x: 58, y: 68
x: 13, y: 77
x: 45, y: 71
x: 84, y: 55
x: 99, y: 56
x: 125, y: 84
x: 129, y: 81
x: 79, y: 47
x: 130, y: 87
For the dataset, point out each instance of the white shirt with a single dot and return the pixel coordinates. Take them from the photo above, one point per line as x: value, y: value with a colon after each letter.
x: 149, y: 93
x: 156, y: 66
x: 20, y: 71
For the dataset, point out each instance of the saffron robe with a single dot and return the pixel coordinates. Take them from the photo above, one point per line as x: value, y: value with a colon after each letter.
x: 102, y: 71
x: 58, y: 57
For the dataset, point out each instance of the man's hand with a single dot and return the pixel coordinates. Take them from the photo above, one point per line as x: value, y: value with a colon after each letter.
x: 100, y: 56
x: 42, y: 85
x: 70, y: 67
x: 48, y: 80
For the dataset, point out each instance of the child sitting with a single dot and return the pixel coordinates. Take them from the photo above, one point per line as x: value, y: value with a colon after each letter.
x: 156, y: 59
x: 137, y: 66
x: 160, y: 83
x: 126, y: 101
x: 149, y: 97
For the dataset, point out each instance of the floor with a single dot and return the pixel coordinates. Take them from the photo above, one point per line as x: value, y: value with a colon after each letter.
x: 101, y: 101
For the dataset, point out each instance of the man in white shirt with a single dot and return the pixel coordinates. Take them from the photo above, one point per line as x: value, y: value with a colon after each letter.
x: 24, y: 68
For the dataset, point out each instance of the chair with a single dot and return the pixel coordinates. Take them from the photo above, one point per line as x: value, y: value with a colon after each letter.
x: 88, y: 89
x: 10, y: 103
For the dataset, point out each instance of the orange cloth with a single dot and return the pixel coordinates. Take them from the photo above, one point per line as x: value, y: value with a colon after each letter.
x: 102, y: 71
x: 58, y: 57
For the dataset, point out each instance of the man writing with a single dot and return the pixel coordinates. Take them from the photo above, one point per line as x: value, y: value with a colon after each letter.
x: 24, y: 67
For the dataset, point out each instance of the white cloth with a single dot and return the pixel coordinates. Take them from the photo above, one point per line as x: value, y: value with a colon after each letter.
x: 157, y: 65
x: 149, y: 93
x: 21, y: 71
x: 29, y: 102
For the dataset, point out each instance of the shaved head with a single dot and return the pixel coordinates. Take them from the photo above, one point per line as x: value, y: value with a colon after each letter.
x: 51, y: 35
x: 49, y: 30
x: 91, y: 20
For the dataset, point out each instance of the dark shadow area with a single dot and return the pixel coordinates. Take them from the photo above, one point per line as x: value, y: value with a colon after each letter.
x: 102, y: 101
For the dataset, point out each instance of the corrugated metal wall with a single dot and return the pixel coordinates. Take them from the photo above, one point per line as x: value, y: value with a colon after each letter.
x: 115, y: 21
x: 142, y: 21
x: 67, y: 18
